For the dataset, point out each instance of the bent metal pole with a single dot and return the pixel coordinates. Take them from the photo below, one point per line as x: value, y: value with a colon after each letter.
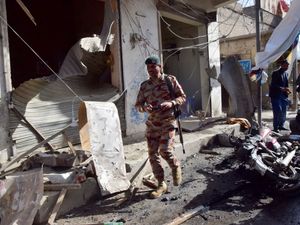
x: 259, y: 87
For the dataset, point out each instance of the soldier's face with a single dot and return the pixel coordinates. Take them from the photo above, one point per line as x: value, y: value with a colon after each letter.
x: 154, y: 70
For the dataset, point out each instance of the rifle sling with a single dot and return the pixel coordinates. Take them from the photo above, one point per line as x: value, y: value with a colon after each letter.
x: 172, y: 93
x: 171, y: 89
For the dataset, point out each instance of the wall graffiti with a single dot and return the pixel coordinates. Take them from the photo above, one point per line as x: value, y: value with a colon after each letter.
x: 137, y: 117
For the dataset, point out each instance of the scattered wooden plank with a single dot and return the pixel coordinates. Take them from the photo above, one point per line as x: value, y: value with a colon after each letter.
x: 202, y: 209
x: 149, y: 176
x: 149, y: 183
x: 26, y: 153
x: 57, y: 206
x: 27, y: 12
x: 72, y: 149
x: 210, y: 152
x: 135, y: 175
x: 90, y: 224
x: 135, y: 181
x: 71, y: 146
x: 87, y: 161
x: 189, y: 214
x: 58, y: 187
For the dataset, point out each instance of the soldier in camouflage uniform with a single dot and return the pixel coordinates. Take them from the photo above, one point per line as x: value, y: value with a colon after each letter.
x: 154, y: 98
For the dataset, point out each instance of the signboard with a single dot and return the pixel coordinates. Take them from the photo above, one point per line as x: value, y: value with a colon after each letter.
x: 246, y: 65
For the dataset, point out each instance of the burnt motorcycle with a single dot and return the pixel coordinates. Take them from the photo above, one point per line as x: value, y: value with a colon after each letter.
x: 272, y: 155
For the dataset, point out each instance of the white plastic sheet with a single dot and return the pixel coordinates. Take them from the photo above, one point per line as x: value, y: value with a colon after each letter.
x: 282, y: 37
x: 100, y: 133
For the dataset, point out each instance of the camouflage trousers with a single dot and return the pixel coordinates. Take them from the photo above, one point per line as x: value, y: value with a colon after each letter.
x: 161, y: 143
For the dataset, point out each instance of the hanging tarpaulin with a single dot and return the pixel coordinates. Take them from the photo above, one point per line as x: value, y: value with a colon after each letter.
x: 100, y: 133
x: 292, y: 56
x: 282, y: 37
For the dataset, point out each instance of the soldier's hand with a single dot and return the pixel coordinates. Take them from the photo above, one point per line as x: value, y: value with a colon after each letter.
x: 148, y: 108
x: 166, y: 105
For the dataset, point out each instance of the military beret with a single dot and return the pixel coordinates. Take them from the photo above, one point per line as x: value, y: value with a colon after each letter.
x: 152, y: 60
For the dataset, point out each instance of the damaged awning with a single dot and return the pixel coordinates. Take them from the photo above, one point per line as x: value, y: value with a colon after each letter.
x: 282, y: 37
x: 49, y: 104
x: 49, y: 107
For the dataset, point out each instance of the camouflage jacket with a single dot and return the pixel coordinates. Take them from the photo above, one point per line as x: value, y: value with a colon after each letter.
x: 155, y: 92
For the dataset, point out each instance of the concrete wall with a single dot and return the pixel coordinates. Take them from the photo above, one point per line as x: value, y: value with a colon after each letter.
x: 214, y: 60
x: 234, y: 23
x: 5, y: 83
x: 116, y: 71
x: 204, y: 63
x: 241, y: 40
x: 140, y: 38
x: 238, y: 30
x: 244, y: 47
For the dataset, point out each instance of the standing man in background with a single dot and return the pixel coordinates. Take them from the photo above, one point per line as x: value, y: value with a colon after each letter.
x: 155, y: 98
x: 279, y: 91
x: 298, y: 86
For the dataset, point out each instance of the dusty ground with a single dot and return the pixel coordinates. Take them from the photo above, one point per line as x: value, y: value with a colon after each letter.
x: 233, y: 196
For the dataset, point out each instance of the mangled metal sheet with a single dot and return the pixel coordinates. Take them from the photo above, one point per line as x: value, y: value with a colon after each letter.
x: 72, y: 65
x: 236, y: 84
x: 20, y: 196
x: 100, y: 132
x: 49, y: 106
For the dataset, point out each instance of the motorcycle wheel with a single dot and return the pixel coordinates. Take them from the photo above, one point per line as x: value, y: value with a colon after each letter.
x: 286, y: 180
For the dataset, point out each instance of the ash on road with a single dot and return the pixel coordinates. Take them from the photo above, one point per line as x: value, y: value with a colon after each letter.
x: 233, y: 195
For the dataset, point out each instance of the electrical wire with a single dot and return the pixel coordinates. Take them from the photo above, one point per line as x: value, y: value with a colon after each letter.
x: 189, y: 38
x: 202, y: 45
x: 200, y: 36
x: 175, y: 50
x: 173, y: 8
x: 193, y: 10
x: 40, y: 58
x: 146, y: 41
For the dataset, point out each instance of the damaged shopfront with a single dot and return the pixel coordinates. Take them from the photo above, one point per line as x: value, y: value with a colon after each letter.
x: 58, y: 56
x: 59, y: 53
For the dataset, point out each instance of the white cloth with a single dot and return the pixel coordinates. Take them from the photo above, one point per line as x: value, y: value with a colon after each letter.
x: 282, y: 37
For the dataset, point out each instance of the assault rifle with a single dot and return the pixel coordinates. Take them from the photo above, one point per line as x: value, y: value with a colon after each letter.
x: 179, y: 128
x: 177, y: 111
